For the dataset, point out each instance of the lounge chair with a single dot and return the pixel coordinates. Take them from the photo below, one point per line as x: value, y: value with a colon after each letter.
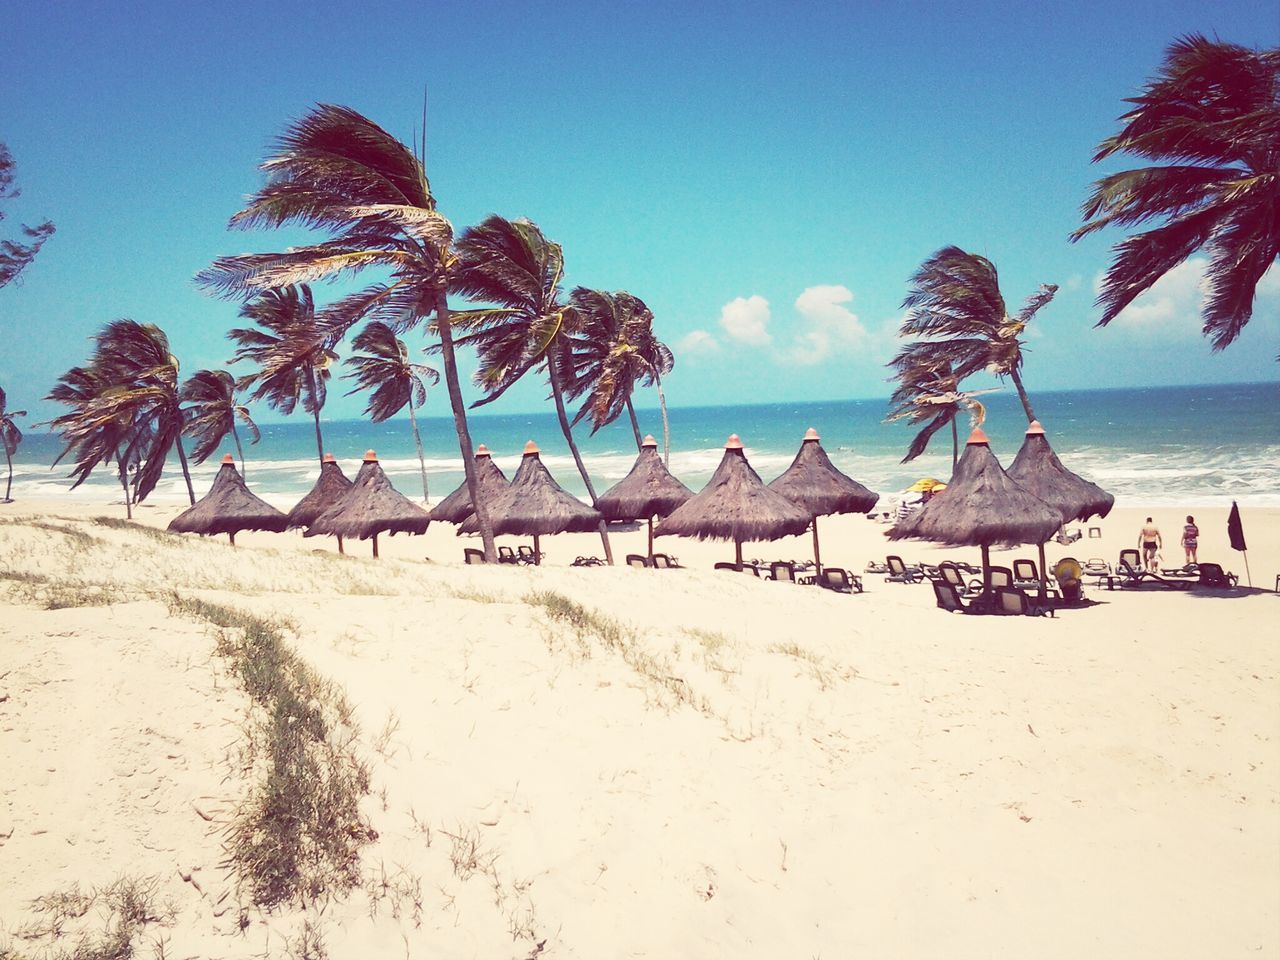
x: 527, y: 555
x: 782, y: 570
x: 1066, y: 537
x: 664, y: 561
x: 729, y: 566
x: 998, y: 578
x: 1095, y: 567
x: 1130, y: 574
x: 1011, y: 601
x: 587, y: 562
x: 899, y: 572
x: 1212, y: 575
x: 472, y: 555
x: 949, y: 598
x: 840, y: 580
x: 1025, y: 573
x: 951, y: 574
x: 874, y: 567
x: 931, y: 571
x: 636, y: 560
x: 507, y: 555
x: 1069, y: 574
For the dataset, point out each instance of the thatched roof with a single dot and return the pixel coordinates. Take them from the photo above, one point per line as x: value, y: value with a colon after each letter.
x: 813, y: 482
x: 228, y: 507
x: 331, y: 486
x: 1038, y: 469
x: 649, y: 490
x: 371, y: 506
x: 735, y: 505
x: 535, y: 504
x: 456, y: 507
x: 981, y: 506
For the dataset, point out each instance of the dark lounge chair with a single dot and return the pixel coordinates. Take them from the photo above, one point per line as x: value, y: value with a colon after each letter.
x: 587, y: 562
x: 949, y: 598
x: 951, y: 573
x: 507, y: 555
x: 1025, y: 573
x: 999, y: 578
x: 527, y: 555
x: 899, y: 572
x: 636, y: 560
x: 840, y: 580
x: 1212, y: 575
x: 1132, y: 575
x: 782, y: 571
x: 1010, y: 601
x: 472, y: 555
x: 664, y: 561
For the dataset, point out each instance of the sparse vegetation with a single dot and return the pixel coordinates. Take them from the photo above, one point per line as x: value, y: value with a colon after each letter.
x: 127, y: 907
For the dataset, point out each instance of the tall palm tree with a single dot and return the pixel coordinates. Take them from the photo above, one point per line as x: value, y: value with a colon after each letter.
x: 76, y: 389
x: 1212, y: 118
x: 211, y: 413
x: 955, y: 302
x: 292, y: 349
x: 614, y: 348
x: 136, y: 405
x: 338, y: 171
x: 511, y: 264
x: 930, y: 395
x: 10, y: 437
x: 396, y: 381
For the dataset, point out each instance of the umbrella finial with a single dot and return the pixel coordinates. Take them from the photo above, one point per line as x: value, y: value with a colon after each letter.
x: 530, y: 449
x: 733, y: 443
x: 649, y: 441
x: 227, y: 458
x: 482, y: 451
x: 370, y: 457
x: 978, y: 436
x: 1035, y: 428
x: 329, y: 458
x: 811, y: 434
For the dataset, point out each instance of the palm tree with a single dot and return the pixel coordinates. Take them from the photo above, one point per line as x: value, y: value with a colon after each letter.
x: 292, y: 349
x: 614, y: 348
x: 211, y: 413
x: 76, y: 389
x: 396, y: 381
x: 510, y: 263
x: 10, y: 437
x: 1212, y: 116
x: 929, y: 393
x: 337, y: 170
x: 134, y: 403
x: 955, y: 300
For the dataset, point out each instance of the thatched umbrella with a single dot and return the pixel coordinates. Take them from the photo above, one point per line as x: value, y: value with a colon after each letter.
x: 330, y: 487
x: 227, y: 508
x: 980, y: 507
x: 456, y: 507
x: 1037, y: 468
x: 648, y: 491
x: 736, y: 505
x: 371, y: 506
x: 813, y: 482
x: 534, y: 505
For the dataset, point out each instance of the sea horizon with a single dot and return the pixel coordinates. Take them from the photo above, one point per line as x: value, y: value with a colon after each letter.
x: 1198, y: 445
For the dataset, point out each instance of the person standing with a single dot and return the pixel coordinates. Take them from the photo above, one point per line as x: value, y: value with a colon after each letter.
x: 1150, y: 543
x: 1191, y: 540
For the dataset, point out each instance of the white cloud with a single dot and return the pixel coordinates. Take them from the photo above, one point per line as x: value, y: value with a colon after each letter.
x: 746, y: 319
x: 830, y: 325
x: 697, y: 341
x: 1172, y: 304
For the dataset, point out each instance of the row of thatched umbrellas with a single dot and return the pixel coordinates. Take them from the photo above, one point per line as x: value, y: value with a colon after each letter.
x: 983, y: 505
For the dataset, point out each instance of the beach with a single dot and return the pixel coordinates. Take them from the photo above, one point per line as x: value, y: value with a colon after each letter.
x: 586, y: 762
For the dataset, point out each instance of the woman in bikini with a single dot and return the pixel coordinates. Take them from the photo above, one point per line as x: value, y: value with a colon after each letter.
x: 1191, y: 540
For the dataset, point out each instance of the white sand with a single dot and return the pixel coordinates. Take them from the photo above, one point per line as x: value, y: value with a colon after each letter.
x: 752, y: 770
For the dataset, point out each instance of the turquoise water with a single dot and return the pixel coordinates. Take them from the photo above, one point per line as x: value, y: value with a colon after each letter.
x: 1200, y: 445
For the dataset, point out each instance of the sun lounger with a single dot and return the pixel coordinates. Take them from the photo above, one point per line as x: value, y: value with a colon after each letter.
x: 899, y: 572
x: 1025, y: 573
x: 636, y: 560
x: 507, y: 555
x: 874, y: 567
x: 472, y: 555
x: 587, y: 562
x: 527, y: 555
x: 782, y: 570
x: 949, y: 599
x: 839, y: 580
x: 1010, y: 601
x: 664, y: 561
x: 1130, y: 576
x: 1212, y: 575
x: 951, y: 573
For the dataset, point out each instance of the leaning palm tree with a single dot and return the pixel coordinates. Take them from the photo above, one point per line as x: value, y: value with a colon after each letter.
x: 10, y: 437
x: 955, y: 303
x: 76, y: 389
x: 930, y: 395
x: 292, y: 349
x: 1212, y: 118
x: 211, y: 413
x: 658, y: 361
x: 396, y: 381
x: 511, y: 263
x: 338, y: 171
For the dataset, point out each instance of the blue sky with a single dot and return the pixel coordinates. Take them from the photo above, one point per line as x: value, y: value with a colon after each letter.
x: 765, y: 176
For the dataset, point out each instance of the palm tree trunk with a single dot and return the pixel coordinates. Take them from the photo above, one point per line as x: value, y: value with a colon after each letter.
x: 460, y: 423
x: 666, y: 427
x: 1022, y: 393
x: 553, y: 371
x: 955, y: 446
x: 186, y: 473
x: 635, y: 424
x: 8, y: 489
x: 311, y: 375
x: 239, y: 449
x: 123, y: 474
x: 417, y: 439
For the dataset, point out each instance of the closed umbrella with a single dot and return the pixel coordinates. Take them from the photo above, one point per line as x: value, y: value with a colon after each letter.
x: 1235, y: 533
x: 372, y: 506
x: 228, y: 507
x: 813, y: 482
x: 648, y: 491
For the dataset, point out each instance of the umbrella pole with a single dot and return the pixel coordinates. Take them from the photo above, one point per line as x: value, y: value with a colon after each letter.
x: 737, y: 551
x: 1044, y: 576
x: 1246, y: 568
x: 651, y: 538
x: 986, y: 573
x: 232, y: 535
x: 817, y: 557
x: 340, y: 550
x: 537, y: 550
x: 375, y: 545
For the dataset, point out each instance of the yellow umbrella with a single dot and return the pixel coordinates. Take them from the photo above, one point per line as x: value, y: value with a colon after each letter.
x: 923, y: 485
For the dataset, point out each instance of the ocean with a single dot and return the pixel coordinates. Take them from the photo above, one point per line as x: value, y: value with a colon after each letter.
x: 1192, y: 446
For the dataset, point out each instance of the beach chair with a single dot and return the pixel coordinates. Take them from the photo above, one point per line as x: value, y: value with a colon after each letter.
x: 999, y: 578
x: 1096, y: 567
x: 1129, y: 559
x: 930, y: 571
x: 1066, y: 537
x: 472, y: 555
x: 1025, y: 573
x: 782, y: 571
x: 840, y: 580
x: 587, y: 562
x: 507, y: 555
x: 1212, y: 575
x: 528, y: 556
x: 951, y: 573
x: 949, y: 598
x: 1069, y: 573
x: 728, y: 566
x: 1129, y: 573
x: 752, y: 568
x: 874, y: 567
x: 899, y: 572
x: 664, y: 561
x: 636, y: 560
x: 1010, y: 601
